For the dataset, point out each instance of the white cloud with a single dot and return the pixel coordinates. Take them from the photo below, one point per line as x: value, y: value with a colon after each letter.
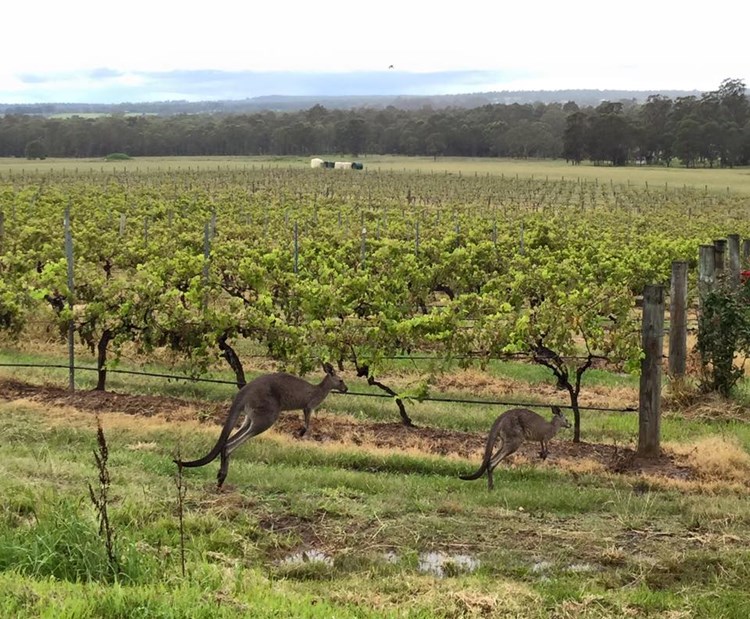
x: 546, y: 44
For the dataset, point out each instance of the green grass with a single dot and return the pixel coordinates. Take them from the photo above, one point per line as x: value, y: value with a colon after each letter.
x: 547, y: 542
x: 736, y: 180
x: 210, y: 594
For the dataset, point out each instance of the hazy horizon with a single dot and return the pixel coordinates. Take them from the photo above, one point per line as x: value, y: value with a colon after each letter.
x: 197, y: 86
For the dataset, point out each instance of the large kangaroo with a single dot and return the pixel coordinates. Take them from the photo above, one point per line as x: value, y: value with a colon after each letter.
x: 514, y: 427
x: 261, y: 401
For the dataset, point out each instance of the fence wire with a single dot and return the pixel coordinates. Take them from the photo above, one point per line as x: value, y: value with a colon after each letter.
x: 194, y: 379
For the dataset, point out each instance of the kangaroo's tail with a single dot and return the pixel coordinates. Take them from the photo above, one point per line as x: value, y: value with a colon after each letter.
x: 487, y: 452
x: 476, y: 474
x: 234, y: 413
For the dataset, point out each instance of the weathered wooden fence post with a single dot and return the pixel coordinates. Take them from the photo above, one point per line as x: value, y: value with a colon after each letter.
x: 733, y: 246
x: 745, y: 253
x: 706, y: 270
x: 678, y: 319
x: 649, y: 406
x: 720, y: 250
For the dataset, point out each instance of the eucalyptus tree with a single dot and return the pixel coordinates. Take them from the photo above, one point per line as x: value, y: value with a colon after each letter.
x: 656, y: 136
x: 610, y: 135
x: 575, y: 148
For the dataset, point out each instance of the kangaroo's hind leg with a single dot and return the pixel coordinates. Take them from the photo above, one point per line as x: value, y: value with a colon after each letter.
x: 508, y: 447
x: 241, y: 431
x: 303, y: 430
x: 545, y: 452
x: 256, y: 422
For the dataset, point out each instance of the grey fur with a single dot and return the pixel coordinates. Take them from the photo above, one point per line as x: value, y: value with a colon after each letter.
x: 513, y: 427
x: 261, y: 401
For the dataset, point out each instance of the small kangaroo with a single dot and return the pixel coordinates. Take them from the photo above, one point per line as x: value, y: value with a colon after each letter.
x: 261, y: 401
x: 513, y: 428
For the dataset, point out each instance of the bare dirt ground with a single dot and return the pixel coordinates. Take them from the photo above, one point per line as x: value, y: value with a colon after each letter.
x: 335, y: 429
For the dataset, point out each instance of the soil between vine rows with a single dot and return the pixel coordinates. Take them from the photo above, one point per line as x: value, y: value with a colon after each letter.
x: 334, y: 429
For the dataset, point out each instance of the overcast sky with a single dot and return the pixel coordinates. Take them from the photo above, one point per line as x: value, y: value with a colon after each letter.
x: 94, y: 50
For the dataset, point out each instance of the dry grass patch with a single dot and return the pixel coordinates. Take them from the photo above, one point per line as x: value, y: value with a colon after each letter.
x: 716, y: 458
x: 683, y: 398
x: 477, y: 382
x: 416, y: 449
x: 504, y: 599
x: 141, y: 446
x: 596, y: 607
x: 70, y: 417
x: 716, y: 464
x: 583, y: 466
x: 693, y: 486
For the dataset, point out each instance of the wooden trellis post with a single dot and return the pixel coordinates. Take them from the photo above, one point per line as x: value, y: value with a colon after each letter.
x: 733, y: 247
x: 649, y: 402
x: 720, y: 251
x: 706, y: 270
x: 678, y: 319
x: 745, y: 252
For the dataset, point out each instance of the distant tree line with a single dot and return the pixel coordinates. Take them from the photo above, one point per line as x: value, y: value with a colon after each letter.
x: 710, y: 129
x: 713, y: 129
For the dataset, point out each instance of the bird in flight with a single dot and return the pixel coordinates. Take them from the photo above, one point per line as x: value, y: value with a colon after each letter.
x: 390, y: 66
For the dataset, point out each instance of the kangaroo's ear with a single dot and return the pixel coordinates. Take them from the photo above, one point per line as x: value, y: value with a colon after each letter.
x: 327, y: 368
x: 556, y: 410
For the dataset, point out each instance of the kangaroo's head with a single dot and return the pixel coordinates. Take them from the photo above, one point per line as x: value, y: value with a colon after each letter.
x: 335, y: 381
x: 558, y: 417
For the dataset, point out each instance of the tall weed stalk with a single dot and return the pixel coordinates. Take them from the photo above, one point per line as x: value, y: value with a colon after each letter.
x: 100, y: 497
x: 181, y: 492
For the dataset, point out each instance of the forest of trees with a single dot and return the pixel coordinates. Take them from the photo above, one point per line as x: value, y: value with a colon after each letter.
x: 712, y: 129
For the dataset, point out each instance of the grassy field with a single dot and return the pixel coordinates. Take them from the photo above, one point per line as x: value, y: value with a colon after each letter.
x: 734, y: 180
x: 338, y: 526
